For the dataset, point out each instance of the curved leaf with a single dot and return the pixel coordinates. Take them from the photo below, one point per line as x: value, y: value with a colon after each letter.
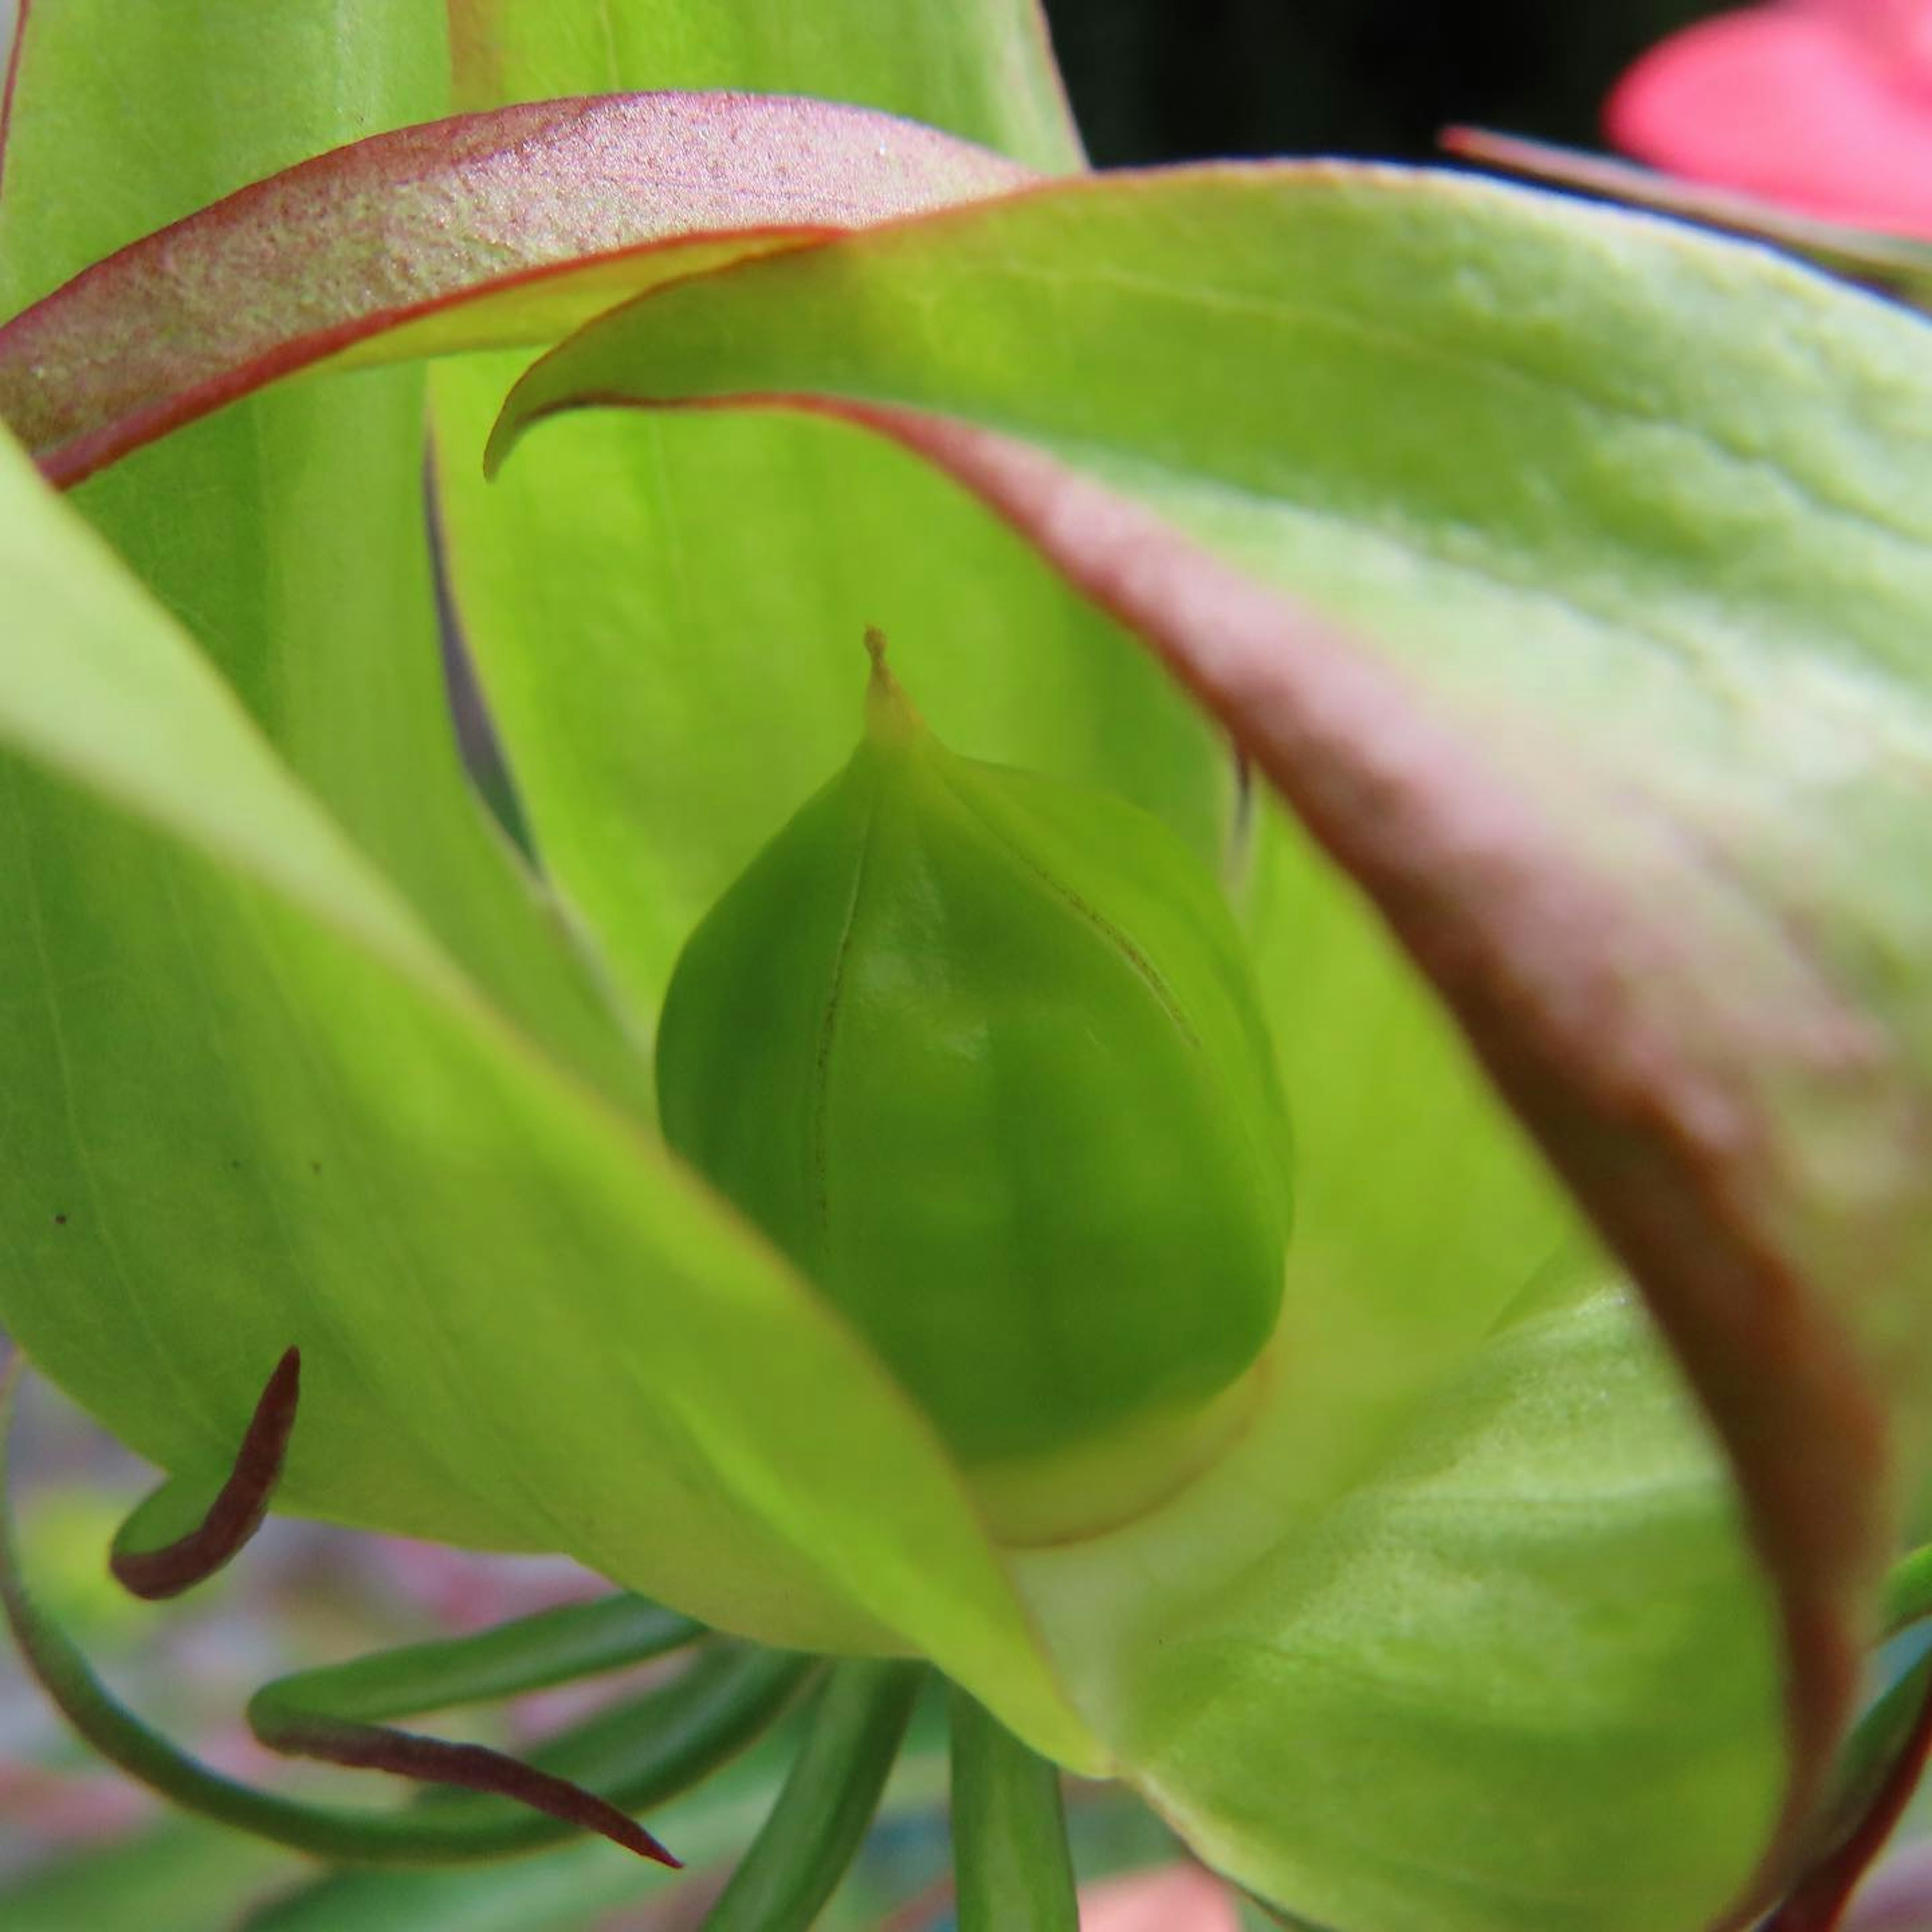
x: 287, y: 534
x: 668, y: 624
x: 982, y: 68
x: 485, y: 231
x: 179, y: 1536
x: 1635, y: 767
x: 521, y: 1324
x: 1520, y: 1679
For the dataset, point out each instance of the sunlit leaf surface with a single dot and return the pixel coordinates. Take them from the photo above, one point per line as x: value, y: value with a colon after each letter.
x: 1634, y: 762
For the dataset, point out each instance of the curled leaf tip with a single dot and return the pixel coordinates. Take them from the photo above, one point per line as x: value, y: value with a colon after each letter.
x: 363, y: 1746
x: 238, y: 1509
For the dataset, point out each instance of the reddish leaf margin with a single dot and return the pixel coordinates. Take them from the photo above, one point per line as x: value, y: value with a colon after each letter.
x: 482, y: 231
x: 1660, y: 1151
x: 1644, y: 1139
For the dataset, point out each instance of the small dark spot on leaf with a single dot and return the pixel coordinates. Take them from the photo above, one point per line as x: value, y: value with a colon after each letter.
x: 315, y: 1167
x: 60, y: 1220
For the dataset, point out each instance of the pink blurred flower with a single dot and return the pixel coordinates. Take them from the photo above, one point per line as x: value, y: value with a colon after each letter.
x: 1825, y: 105
x: 1179, y: 1898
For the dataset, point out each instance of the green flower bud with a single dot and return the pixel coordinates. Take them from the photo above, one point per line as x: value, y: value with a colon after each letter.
x: 980, y: 1050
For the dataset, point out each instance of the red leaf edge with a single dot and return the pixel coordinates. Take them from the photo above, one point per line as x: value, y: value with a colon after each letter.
x: 238, y: 1508
x: 1642, y: 1140
x: 135, y: 326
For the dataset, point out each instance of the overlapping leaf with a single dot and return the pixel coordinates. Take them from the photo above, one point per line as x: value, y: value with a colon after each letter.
x: 482, y: 232
x: 287, y: 533
x: 521, y: 1324
x: 1636, y: 767
x: 668, y: 624
x: 1634, y: 773
x: 1521, y: 1676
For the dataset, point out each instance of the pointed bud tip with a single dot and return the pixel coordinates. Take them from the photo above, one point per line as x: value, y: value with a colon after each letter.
x: 890, y: 717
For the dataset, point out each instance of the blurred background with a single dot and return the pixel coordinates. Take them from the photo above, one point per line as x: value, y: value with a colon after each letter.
x: 1165, y: 80
x: 80, y: 1850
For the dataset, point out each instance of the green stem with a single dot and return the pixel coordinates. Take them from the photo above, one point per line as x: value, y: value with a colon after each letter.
x: 157, y: 1566
x: 1009, y: 1849
x: 820, y: 1819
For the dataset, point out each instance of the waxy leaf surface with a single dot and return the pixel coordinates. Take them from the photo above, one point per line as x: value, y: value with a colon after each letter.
x: 1396, y: 401
x: 485, y: 231
x: 276, y: 1114
x: 1819, y: 105
x: 668, y: 623
x: 287, y: 533
x: 1636, y: 766
x: 1519, y: 1676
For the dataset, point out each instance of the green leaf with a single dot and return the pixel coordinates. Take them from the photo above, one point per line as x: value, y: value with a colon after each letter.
x: 982, y: 68
x: 668, y: 624
x: 1635, y: 765
x: 482, y: 232
x: 574, y: 1890
x: 521, y: 1324
x: 287, y: 536
x: 1521, y: 1678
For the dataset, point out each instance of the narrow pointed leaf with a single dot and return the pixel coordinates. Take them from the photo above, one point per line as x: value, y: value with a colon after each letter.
x: 528, y: 1654
x: 563, y: 1889
x: 1634, y: 762
x: 334, y: 1713
x: 438, y: 1762
x: 641, y: 1752
x: 486, y: 231
x: 157, y: 1570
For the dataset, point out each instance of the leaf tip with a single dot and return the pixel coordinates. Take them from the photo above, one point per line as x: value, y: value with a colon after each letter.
x: 238, y: 1509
